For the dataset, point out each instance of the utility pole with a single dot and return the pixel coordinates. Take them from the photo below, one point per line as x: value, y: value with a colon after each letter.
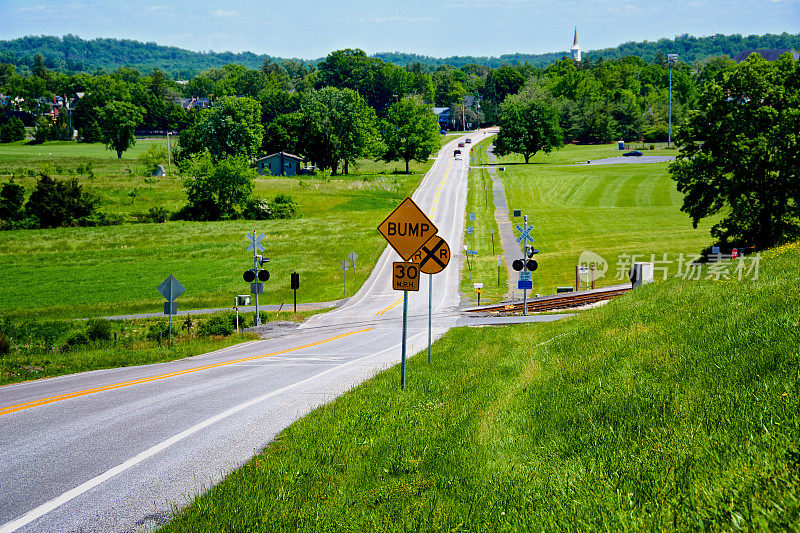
x: 671, y: 59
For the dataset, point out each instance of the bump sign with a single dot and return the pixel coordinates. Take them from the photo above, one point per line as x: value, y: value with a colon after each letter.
x: 405, y: 276
x: 433, y: 256
x: 407, y: 228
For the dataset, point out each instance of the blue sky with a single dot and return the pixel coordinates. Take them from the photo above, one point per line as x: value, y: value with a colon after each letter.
x: 308, y: 29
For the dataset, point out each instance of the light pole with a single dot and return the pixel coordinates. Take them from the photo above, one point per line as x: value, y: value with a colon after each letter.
x: 169, y: 159
x: 671, y: 59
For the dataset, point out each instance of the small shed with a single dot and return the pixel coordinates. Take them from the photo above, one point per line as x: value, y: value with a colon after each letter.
x: 278, y: 164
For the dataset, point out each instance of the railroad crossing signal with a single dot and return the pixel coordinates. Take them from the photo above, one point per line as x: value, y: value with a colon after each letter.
x: 405, y: 276
x: 407, y: 228
x: 433, y: 257
x: 255, y: 242
x: 524, y: 233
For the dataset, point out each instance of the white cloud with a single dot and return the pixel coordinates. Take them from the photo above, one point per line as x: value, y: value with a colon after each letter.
x: 225, y: 14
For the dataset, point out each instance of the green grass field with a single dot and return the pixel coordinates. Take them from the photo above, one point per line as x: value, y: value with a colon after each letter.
x: 624, y: 213
x: 80, y: 272
x: 674, y: 407
x: 482, y: 268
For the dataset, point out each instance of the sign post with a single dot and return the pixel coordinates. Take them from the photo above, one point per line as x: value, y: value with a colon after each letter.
x: 170, y: 288
x: 524, y: 235
x: 352, y: 256
x: 255, y: 246
x: 406, y: 229
x: 344, y: 267
x: 294, y: 285
x: 433, y: 257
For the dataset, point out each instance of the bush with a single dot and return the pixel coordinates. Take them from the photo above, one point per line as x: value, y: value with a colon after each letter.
x: 158, y: 214
x: 282, y: 207
x: 5, y: 345
x: 42, y: 131
x: 12, y: 198
x: 157, y: 331
x: 219, y: 324
x: 13, y: 130
x: 59, y: 203
x: 99, y: 329
x: 78, y: 339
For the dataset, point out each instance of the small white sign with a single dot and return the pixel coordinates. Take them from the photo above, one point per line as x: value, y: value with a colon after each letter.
x: 473, y: 216
x: 525, y: 275
x: 477, y: 285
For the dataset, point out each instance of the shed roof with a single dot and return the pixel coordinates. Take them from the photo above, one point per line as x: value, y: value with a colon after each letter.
x: 285, y: 154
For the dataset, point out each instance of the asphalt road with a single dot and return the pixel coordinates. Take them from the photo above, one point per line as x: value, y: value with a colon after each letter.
x: 118, y: 450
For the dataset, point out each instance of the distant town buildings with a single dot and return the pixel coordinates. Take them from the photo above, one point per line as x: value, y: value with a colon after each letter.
x: 576, y: 48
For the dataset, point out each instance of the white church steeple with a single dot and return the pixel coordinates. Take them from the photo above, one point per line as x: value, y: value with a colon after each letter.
x: 576, y: 48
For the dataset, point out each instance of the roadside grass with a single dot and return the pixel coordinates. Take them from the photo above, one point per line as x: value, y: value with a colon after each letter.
x: 624, y: 213
x: 673, y: 407
x: 112, y: 270
x: 482, y: 267
x: 49, y: 348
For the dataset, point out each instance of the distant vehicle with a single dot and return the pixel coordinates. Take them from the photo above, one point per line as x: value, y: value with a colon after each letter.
x: 468, y: 141
x: 456, y: 153
x: 443, y: 132
x: 461, y: 145
x: 635, y: 153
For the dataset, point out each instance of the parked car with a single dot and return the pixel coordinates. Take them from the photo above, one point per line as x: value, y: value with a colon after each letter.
x: 635, y: 153
x: 468, y: 141
x: 443, y: 132
x: 461, y: 145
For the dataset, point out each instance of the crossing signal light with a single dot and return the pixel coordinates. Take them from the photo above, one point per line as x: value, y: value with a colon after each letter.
x: 263, y: 275
x: 518, y: 265
x: 532, y: 265
x: 249, y: 276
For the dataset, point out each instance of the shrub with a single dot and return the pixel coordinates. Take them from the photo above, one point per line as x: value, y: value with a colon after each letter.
x: 58, y: 203
x: 219, y: 324
x: 12, y: 198
x: 78, y: 339
x: 157, y: 331
x: 158, y: 214
x: 5, y: 345
x: 13, y: 130
x: 282, y: 207
x: 99, y: 329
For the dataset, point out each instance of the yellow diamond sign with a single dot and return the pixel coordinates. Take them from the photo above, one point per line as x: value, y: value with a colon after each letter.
x: 407, y: 228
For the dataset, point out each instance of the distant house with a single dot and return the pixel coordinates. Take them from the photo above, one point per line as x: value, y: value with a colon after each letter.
x: 768, y: 54
x: 194, y: 103
x: 443, y: 114
x: 278, y: 164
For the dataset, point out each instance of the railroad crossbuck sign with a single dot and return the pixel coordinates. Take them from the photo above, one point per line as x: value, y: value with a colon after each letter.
x: 407, y: 229
x: 433, y: 256
x: 524, y: 233
x: 405, y: 276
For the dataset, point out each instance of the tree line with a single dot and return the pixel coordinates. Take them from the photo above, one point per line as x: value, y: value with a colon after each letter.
x: 71, y: 54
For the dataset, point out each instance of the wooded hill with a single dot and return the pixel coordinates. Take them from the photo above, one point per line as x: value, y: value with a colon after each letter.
x: 70, y: 53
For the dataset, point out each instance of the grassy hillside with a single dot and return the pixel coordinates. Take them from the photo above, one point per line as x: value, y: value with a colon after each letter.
x: 674, y: 407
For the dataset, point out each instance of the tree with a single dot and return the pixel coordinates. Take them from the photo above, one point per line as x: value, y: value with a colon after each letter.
x: 233, y: 128
x: 57, y: 203
x: 219, y: 191
x: 411, y: 131
x: 336, y: 126
x: 118, y: 122
x: 740, y: 157
x: 12, y: 198
x: 527, y: 127
x: 13, y: 130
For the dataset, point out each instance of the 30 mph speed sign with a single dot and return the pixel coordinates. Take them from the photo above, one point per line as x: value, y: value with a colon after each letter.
x: 405, y: 276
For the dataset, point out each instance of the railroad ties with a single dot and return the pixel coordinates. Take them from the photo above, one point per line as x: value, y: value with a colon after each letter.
x: 552, y: 302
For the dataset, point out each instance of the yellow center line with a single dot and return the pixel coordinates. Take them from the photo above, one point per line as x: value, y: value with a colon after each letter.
x: 52, y: 399
x: 386, y: 309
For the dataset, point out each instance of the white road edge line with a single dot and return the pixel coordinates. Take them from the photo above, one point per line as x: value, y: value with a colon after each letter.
x: 58, y: 501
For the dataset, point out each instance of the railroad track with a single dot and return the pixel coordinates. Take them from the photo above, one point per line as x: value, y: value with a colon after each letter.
x: 555, y: 301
